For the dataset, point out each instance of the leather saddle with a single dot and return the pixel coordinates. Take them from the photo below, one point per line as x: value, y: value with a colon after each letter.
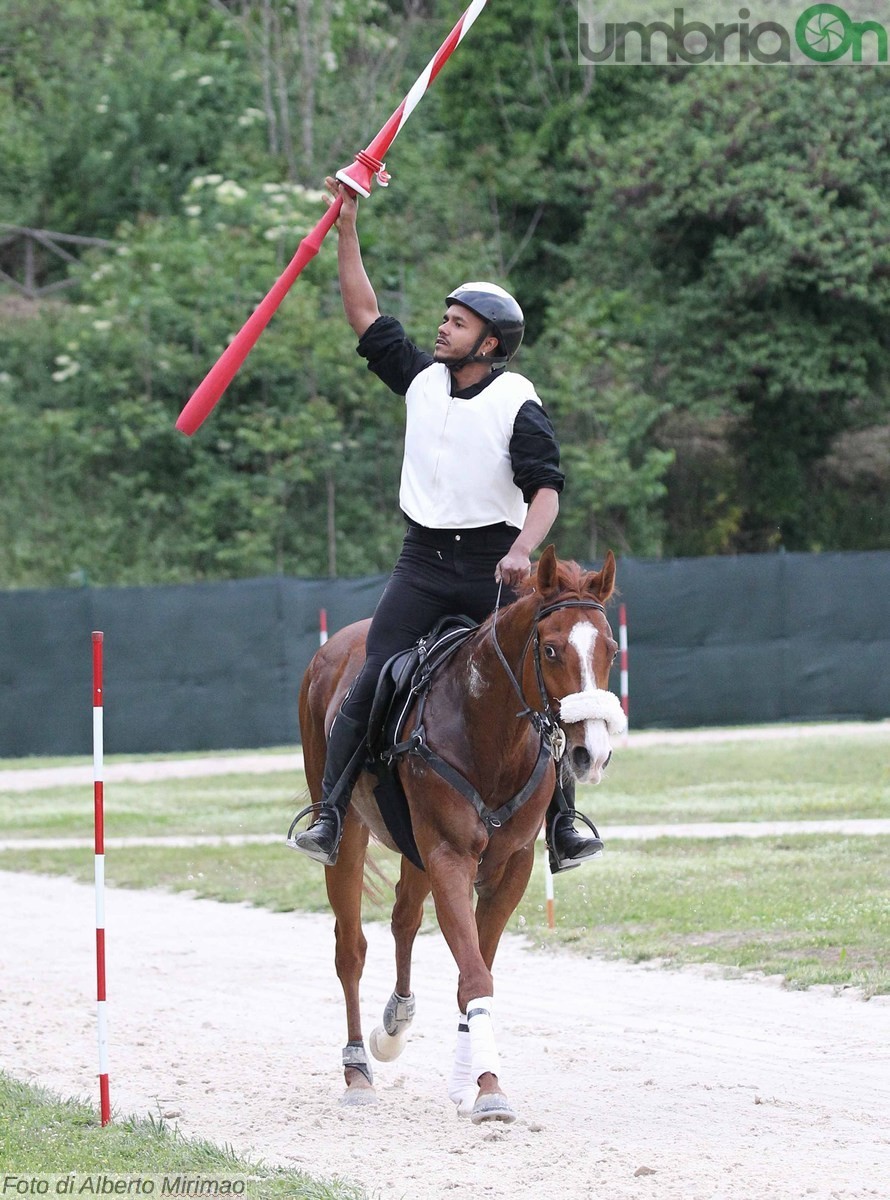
x: 405, y: 675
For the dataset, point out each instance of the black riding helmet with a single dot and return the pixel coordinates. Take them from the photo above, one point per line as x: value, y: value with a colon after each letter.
x: 501, y: 313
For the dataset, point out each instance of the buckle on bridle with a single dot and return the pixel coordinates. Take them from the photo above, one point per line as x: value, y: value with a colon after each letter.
x: 557, y: 742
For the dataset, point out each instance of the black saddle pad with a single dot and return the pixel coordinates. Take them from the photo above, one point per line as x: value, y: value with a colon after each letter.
x: 393, y: 700
x: 393, y: 805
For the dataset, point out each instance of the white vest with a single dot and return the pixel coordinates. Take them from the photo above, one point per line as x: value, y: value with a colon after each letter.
x: 457, y: 473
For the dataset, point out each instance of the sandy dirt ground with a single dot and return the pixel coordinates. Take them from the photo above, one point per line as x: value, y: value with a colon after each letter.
x: 629, y: 1081
x: 23, y: 778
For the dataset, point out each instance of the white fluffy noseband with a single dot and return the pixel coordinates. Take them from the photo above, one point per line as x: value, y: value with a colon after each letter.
x: 596, y: 705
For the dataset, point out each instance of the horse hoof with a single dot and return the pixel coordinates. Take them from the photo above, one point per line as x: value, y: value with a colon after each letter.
x: 358, y: 1096
x: 493, y: 1107
x: 384, y: 1046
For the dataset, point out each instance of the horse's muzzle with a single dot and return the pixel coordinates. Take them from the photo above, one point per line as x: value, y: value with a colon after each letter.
x: 580, y: 760
x: 588, y: 760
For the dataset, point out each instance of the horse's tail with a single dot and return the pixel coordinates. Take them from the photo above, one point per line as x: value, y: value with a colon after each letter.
x: 376, y: 885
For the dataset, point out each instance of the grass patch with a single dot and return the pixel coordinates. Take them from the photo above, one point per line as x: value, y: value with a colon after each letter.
x: 42, y: 1135
x: 812, y: 908
x: 35, y: 762
x: 791, y: 779
x: 269, y: 876
x: 227, y: 804
x: 785, y: 780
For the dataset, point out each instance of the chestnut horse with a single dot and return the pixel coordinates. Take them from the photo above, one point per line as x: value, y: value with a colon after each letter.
x: 526, y: 688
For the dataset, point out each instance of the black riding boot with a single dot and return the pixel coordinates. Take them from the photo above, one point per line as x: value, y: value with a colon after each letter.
x: 567, y: 847
x: 343, y: 765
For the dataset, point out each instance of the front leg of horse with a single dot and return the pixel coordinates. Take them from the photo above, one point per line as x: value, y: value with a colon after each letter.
x: 388, y: 1040
x: 475, y: 1081
x: 498, y: 896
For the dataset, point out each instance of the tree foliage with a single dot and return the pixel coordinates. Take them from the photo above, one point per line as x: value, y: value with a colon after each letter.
x: 751, y: 231
x: 704, y: 257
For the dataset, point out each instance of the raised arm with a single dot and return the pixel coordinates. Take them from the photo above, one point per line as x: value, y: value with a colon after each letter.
x: 359, y: 298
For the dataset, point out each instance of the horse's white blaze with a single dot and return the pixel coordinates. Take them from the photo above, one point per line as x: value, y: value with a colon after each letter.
x: 596, y: 734
x: 583, y: 638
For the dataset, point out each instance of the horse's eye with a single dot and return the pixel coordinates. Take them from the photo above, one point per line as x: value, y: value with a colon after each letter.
x: 550, y: 652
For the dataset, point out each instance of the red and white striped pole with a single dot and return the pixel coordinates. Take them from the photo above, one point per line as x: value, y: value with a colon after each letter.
x: 622, y: 647
x: 358, y: 175
x: 322, y: 626
x: 99, y: 827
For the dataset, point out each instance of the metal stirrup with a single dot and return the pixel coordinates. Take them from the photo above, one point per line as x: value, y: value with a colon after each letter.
x: 319, y: 808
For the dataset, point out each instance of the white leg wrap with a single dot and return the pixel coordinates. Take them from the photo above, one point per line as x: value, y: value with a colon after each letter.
x: 483, y: 1051
x: 462, y: 1086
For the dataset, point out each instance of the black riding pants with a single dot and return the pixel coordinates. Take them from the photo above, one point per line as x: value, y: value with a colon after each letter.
x: 439, y: 573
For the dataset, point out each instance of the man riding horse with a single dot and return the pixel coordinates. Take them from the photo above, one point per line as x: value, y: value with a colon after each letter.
x: 479, y: 490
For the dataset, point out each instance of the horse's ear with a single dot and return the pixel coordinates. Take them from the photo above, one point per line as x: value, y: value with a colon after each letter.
x: 546, y: 575
x: 602, y: 583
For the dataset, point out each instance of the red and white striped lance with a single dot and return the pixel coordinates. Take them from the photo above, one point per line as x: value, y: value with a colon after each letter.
x: 322, y: 626
x: 368, y: 162
x: 358, y: 176
x: 99, y: 829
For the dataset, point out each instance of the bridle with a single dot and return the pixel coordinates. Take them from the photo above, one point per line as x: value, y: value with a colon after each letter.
x: 543, y: 719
